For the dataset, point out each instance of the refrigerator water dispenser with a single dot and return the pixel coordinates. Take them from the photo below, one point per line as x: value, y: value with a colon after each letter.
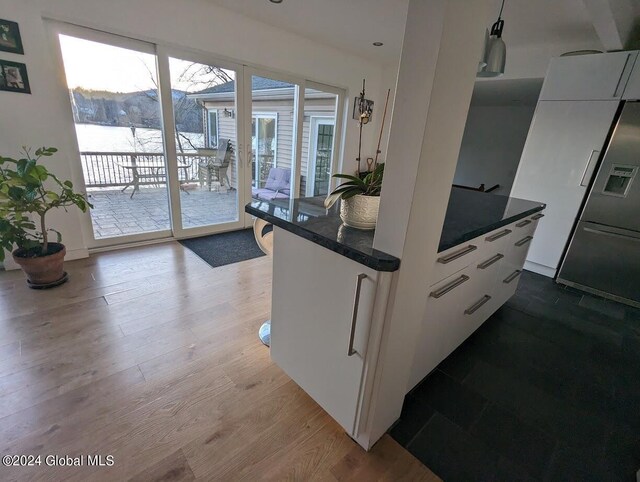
x: 619, y: 180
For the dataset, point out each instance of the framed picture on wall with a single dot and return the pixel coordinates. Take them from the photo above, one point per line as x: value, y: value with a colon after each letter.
x: 10, y: 40
x: 13, y: 77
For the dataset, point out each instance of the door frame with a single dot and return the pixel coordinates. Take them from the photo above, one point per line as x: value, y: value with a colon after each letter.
x: 265, y: 115
x: 164, y: 76
x: 315, y: 121
x: 54, y: 29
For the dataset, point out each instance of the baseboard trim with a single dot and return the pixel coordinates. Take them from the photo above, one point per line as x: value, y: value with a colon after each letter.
x: 540, y: 269
x: 10, y: 264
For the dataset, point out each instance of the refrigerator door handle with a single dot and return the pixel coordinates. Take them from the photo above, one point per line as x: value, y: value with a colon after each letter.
x: 620, y: 85
x: 610, y: 234
x: 588, y: 170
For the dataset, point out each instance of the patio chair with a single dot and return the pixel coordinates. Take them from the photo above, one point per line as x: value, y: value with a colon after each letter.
x: 214, y: 168
x: 277, y: 186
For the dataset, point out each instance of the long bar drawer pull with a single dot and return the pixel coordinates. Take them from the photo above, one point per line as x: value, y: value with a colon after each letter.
x: 537, y: 216
x: 445, y: 289
x: 512, y: 276
x: 458, y: 254
x: 522, y: 224
x: 354, y: 315
x: 477, y: 306
x: 524, y: 241
x: 499, y: 235
x: 490, y: 261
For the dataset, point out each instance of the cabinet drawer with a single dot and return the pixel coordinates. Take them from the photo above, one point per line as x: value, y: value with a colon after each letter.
x: 453, y: 260
x: 443, y: 310
x: 520, y: 248
x: 476, y: 311
x: 526, y: 226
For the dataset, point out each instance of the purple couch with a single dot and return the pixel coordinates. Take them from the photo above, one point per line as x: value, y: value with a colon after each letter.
x: 277, y: 186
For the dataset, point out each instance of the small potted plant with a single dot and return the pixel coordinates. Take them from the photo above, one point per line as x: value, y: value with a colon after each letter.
x: 27, y: 187
x: 360, y: 198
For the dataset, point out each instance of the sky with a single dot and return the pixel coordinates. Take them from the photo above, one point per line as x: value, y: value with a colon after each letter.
x: 98, y: 66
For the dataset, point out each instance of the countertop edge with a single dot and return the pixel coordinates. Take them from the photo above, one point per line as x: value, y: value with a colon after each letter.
x: 491, y: 227
x: 353, y: 254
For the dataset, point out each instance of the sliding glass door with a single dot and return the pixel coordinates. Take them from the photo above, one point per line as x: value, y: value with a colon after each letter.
x: 113, y: 90
x: 273, y: 127
x: 175, y: 143
x: 204, y: 98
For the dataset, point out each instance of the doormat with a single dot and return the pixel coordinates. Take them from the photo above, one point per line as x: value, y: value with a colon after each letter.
x: 225, y: 248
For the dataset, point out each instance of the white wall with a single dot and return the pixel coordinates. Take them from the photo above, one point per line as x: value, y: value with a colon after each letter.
x: 44, y: 118
x: 492, y: 144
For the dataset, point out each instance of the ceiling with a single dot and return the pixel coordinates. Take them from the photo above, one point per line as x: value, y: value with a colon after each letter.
x: 349, y: 25
x: 353, y: 25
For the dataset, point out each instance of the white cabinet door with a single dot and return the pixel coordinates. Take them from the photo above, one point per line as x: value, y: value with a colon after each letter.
x: 588, y: 77
x: 558, y: 160
x: 632, y: 91
x: 311, y: 314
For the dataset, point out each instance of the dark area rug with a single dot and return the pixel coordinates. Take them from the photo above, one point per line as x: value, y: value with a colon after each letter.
x: 225, y: 248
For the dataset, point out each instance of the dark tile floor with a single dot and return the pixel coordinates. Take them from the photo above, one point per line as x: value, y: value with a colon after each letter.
x: 547, y: 389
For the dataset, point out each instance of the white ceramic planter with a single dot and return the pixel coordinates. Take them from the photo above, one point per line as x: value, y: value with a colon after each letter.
x: 360, y: 211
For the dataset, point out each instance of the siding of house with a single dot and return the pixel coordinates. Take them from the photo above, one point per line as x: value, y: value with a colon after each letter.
x: 283, y: 108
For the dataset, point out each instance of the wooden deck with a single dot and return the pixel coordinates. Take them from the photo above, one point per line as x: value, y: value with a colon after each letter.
x: 151, y: 356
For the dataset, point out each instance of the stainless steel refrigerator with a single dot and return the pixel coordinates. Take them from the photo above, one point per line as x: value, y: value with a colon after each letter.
x: 604, y: 252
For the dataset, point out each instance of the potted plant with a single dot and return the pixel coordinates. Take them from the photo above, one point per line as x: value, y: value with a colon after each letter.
x: 360, y: 198
x: 28, y: 188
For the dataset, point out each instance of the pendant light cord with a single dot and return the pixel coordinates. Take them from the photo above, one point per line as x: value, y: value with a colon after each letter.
x: 501, y: 9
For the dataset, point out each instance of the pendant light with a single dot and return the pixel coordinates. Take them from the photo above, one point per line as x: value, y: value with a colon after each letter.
x: 495, y: 51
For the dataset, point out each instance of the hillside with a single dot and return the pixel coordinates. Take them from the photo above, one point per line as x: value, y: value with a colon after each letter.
x: 139, y: 109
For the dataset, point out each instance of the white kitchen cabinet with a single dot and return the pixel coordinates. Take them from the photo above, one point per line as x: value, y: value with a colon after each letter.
x: 632, y: 90
x: 458, y: 304
x: 588, y: 77
x: 311, y: 321
x: 560, y: 155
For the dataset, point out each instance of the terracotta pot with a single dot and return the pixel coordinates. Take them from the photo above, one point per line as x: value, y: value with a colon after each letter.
x: 42, y: 270
x: 360, y: 211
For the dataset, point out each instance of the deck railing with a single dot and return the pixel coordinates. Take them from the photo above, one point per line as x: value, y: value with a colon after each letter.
x: 112, y: 169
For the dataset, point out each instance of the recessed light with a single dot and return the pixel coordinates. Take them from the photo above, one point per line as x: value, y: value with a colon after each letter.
x: 377, y: 44
x: 275, y: 1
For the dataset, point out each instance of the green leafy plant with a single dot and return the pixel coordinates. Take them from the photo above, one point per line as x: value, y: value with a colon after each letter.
x: 28, y: 188
x: 369, y: 185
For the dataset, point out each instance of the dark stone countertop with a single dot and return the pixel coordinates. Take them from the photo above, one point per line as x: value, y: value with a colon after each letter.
x: 308, y: 218
x: 471, y: 214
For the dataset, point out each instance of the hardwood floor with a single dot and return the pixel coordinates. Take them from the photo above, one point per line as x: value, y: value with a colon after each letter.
x: 151, y: 356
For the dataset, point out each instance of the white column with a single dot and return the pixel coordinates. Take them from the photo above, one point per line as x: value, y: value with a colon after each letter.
x: 441, y: 49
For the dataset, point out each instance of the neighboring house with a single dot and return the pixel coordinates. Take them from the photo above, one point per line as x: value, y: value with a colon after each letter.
x: 272, y: 124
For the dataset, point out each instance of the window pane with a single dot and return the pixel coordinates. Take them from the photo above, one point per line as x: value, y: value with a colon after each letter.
x: 272, y: 129
x: 318, y: 140
x: 204, y: 105
x: 116, y: 110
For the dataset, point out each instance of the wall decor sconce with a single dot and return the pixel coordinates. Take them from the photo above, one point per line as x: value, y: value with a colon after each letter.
x: 362, y: 108
x: 230, y: 113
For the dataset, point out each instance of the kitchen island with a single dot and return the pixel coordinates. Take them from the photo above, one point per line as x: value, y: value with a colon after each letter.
x: 331, y: 290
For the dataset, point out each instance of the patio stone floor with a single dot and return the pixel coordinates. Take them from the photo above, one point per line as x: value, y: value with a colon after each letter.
x: 115, y: 213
